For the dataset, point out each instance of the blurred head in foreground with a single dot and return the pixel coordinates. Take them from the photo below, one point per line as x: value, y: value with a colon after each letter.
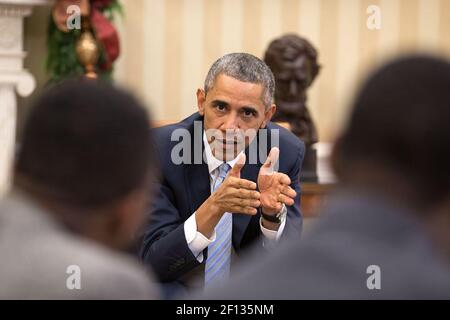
x: 80, y: 190
x: 399, y: 129
x: 86, y: 157
x: 386, y: 232
x: 398, y: 139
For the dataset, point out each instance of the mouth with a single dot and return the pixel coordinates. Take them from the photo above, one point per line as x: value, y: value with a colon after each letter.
x: 232, y: 141
x: 227, y: 146
x: 228, y: 142
x: 226, y: 149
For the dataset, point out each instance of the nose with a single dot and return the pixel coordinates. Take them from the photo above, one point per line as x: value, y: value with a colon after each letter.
x: 231, y: 122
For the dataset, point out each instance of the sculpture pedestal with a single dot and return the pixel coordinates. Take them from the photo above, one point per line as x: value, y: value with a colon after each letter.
x: 13, y: 78
x: 308, y: 172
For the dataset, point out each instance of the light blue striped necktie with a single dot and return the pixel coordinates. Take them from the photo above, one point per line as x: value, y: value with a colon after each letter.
x: 219, y: 252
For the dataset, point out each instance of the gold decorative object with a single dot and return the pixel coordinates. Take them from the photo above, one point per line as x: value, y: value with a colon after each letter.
x: 87, y: 49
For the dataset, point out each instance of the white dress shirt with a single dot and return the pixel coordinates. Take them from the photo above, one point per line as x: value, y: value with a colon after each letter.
x: 196, y: 241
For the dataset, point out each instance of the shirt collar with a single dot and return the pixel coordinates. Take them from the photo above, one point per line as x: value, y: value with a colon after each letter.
x: 213, y: 162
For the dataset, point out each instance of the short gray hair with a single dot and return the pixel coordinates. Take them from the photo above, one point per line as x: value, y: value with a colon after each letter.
x: 246, y: 68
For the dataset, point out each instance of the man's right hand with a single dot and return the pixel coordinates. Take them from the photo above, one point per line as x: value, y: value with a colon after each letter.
x: 235, y: 195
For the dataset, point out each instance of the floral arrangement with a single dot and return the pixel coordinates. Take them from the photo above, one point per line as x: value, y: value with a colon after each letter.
x: 97, y: 15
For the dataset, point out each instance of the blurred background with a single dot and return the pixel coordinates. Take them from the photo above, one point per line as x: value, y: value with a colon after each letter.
x: 167, y: 47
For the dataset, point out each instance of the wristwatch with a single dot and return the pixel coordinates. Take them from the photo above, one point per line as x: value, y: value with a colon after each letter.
x: 278, y: 218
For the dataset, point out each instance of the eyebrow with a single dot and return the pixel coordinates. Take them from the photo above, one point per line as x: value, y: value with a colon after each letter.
x: 219, y: 102
x: 226, y: 104
x: 250, y: 109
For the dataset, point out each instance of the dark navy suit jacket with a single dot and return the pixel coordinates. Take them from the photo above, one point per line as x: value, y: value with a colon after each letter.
x: 182, y: 190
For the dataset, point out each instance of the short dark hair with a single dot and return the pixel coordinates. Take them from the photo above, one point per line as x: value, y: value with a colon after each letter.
x: 400, y: 119
x: 246, y: 68
x: 86, y: 144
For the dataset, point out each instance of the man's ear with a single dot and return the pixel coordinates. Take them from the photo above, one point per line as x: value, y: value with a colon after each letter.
x: 268, y: 114
x: 201, y: 97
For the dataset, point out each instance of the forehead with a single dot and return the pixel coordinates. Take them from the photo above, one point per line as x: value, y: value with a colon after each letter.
x: 233, y: 91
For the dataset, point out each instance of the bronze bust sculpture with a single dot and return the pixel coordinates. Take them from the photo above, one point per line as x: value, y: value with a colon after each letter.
x: 293, y: 61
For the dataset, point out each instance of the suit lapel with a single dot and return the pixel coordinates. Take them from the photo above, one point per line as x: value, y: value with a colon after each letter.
x: 197, y: 175
x: 198, y: 185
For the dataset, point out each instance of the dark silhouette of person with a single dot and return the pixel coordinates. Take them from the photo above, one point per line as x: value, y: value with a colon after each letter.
x: 80, y: 191
x: 386, y: 232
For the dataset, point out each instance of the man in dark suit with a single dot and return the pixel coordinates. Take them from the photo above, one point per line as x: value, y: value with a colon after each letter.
x: 220, y: 192
x: 386, y: 233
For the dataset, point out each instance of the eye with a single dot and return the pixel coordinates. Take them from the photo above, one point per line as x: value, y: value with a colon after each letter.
x: 219, y: 106
x: 248, y: 113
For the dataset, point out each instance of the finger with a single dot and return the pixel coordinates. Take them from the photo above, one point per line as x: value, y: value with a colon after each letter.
x: 284, y: 179
x: 248, y: 194
x: 247, y: 203
x: 289, y: 201
x: 242, y: 184
x: 288, y: 191
x: 272, y: 159
x: 286, y: 200
x: 236, y: 170
x: 244, y: 210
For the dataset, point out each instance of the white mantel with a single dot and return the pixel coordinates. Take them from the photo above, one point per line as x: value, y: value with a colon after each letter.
x: 14, y: 79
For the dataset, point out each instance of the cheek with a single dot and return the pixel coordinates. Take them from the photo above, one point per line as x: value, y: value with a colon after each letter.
x: 256, y: 123
x: 211, y: 121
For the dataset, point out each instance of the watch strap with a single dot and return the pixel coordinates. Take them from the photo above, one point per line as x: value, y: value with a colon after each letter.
x: 271, y: 218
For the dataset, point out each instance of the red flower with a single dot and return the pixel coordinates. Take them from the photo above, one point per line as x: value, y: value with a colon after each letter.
x: 107, y: 36
x: 100, y: 4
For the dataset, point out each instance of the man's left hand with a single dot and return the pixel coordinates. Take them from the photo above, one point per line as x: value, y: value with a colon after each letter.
x: 274, y: 186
